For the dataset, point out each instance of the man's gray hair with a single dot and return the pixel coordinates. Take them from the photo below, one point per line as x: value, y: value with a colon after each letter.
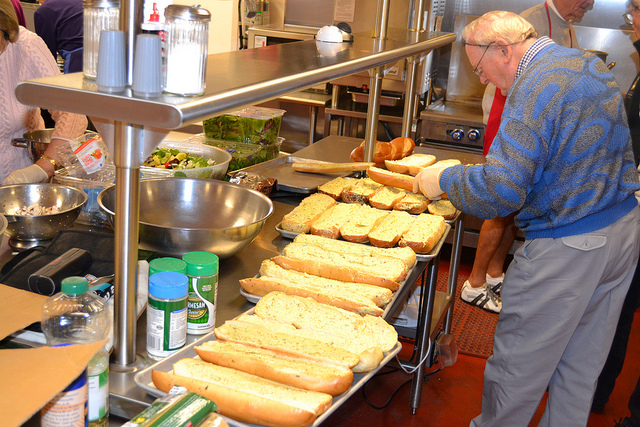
x: 498, y: 25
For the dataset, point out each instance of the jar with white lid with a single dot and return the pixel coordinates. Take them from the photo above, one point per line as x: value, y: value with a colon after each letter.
x: 187, y: 38
x: 99, y: 15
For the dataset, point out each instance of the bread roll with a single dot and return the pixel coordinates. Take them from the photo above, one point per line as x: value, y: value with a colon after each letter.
x: 299, y: 220
x: 390, y: 230
x: 358, y: 228
x: 330, y: 222
x: 414, y: 203
x: 267, y: 364
x: 443, y: 208
x: 361, y: 192
x: 245, y: 397
x: 386, y: 197
x: 335, y: 187
x: 424, y: 233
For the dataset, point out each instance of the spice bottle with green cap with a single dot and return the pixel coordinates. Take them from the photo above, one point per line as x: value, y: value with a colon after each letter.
x: 166, y: 313
x: 167, y: 264
x: 202, y: 269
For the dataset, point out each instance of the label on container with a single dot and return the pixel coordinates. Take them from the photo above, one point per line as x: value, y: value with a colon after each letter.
x: 166, y: 326
x: 69, y: 407
x: 99, y: 395
x: 201, y: 304
x: 90, y: 155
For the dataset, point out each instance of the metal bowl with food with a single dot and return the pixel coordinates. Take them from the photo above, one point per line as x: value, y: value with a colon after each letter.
x: 37, y: 212
x: 188, y: 159
x: 180, y: 215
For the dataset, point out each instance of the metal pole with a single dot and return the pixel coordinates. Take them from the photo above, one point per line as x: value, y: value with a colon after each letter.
x: 131, y: 16
x: 127, y: 142
x: 375, y: 82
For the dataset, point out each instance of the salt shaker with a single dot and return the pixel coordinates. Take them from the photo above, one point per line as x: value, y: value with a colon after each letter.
x: 99, y: 15
x: 187, y: 39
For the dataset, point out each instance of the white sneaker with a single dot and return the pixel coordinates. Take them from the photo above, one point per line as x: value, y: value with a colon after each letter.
x: 482, y: 297
x: 495, y: 283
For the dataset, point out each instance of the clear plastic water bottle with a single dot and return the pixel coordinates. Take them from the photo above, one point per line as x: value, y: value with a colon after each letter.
x: 75, y: 316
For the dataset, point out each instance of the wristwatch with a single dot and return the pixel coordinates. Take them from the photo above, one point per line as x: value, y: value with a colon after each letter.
x: 49, y: 159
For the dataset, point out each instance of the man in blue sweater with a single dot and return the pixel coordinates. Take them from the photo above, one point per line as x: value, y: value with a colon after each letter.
x: 562, y: 159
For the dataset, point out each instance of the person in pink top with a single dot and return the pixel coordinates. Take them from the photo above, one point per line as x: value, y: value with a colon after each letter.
x: 24, y: 56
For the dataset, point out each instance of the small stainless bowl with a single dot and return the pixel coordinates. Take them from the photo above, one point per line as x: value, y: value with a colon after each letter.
x: 180, y: 215
x: 69, y: 201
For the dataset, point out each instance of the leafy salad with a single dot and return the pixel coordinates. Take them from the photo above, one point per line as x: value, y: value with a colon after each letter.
x: 172, y: 158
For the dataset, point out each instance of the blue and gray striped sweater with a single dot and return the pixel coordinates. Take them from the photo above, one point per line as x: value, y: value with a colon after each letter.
x: 562, y: 156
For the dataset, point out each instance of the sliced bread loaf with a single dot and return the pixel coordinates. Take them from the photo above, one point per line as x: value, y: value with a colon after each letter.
x: 310, y: 208
x: 307, y: 314
x: 424, y: 233
x: 374, y: 269
x: 288, y: 344
x: 414, y: 203
x: 386, y: 197
x: 357, y: 228
x: 330, y: 222
x: 377, y: 295
x: 361, y: 191
x: 388, y: 232
x: 411, y: 164
x: 292, y: 371
x: 405, y: 254
x: 335, y: 187
x: 442, y: 208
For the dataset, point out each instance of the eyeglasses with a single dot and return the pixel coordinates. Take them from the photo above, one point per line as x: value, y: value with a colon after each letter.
x: 628, y: 17
x: 486, y: 48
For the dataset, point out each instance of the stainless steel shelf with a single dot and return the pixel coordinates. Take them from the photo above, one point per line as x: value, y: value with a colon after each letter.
x: 234, y: 79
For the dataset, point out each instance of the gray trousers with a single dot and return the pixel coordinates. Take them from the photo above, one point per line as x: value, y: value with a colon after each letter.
x: 561, y: 302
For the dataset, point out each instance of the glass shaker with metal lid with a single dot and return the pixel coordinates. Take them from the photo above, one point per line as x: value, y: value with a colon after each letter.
x: 99, y: 15
x: 187, y: 39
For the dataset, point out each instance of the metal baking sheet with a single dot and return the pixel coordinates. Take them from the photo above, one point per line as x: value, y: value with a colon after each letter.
x: 290, y: 180
x: 143, y: 378
x: 420, y: 257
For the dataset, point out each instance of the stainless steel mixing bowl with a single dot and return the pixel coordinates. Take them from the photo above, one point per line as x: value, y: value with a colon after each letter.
x: 180, y: 215
x: 69, y: 201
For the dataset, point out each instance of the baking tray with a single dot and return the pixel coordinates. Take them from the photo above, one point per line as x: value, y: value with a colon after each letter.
x: 143, y: 378
x: 420, y: 257
x: 290, y: 180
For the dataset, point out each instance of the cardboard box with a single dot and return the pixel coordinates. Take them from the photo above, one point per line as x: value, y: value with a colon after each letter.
x: 29, y: 378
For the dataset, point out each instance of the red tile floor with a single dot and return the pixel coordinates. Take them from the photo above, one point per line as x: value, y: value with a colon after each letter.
x: 453, y: 396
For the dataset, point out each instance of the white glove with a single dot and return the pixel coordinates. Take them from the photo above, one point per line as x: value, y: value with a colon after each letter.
x: 428, y: 182
x: 29, y: 175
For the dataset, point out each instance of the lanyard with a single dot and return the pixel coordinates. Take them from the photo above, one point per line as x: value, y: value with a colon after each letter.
x: 546, y: 6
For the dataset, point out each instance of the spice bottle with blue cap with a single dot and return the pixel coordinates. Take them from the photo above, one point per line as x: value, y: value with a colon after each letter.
x: 202, y: 269
x: 166, y: 313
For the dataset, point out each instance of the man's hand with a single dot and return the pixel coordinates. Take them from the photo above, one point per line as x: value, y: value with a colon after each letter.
x: 428, y: 182
x: 29, y: 175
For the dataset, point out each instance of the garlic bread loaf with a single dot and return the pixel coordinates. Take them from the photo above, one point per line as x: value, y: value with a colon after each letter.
x: 405, y: 254
x: 285, y: 343
x: 361, y: 192
x: 296, y: 372
x: 299, y: 220
x: 391, y: 229
x: 386, y: 197
x: 357, y: 228
x: 335, y: 187
x: 424, y: 233
x: 245, y: 397
x: 330, y: 222
x: 375, y: 270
